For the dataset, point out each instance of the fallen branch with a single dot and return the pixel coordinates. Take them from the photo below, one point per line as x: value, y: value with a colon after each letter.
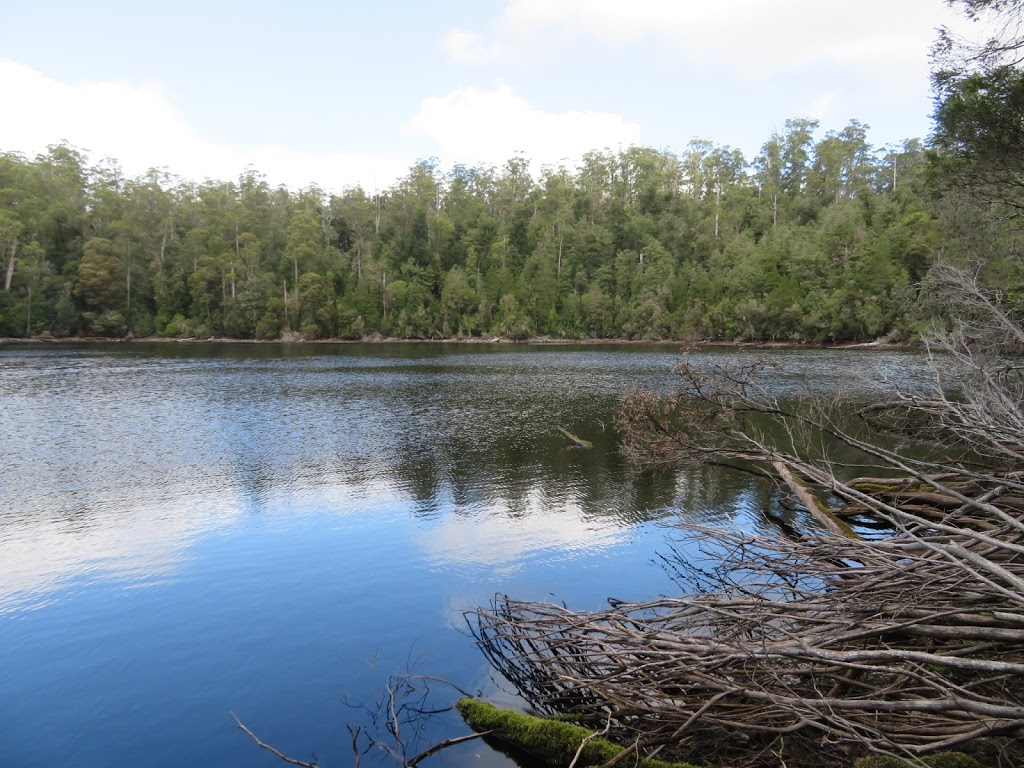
x: 450, y: 742
x: 279, y: 755
x: 818, y: 511
x: 578, y: 442
x: 395, y: 724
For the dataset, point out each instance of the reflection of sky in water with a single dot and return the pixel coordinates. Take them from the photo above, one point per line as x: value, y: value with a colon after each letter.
x: 188, y: 530
x: 492, y: 537
x: 139, y: 543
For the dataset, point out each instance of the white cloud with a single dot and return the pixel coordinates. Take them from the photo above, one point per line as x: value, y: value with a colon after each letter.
x: 138, y: 125
x: 471, y: 125
x: 469, y: 46
x: 752, y: 37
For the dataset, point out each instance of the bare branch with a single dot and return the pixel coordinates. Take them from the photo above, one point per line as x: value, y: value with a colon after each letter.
x: 279, y: 755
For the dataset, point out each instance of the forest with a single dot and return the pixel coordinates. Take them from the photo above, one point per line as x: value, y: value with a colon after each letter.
x: 816, y: 239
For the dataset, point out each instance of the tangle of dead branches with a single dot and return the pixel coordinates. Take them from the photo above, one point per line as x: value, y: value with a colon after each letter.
x: 903, y: 644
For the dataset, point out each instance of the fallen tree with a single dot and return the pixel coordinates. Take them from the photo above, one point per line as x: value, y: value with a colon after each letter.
x: 902, y: 644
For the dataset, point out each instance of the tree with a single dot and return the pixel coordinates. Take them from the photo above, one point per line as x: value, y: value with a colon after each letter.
x: 100, y: 276
x: 10, y: 233
x: 796, y: 154
x: 316, y: 306
x: 979, y: 137
x: 652, y: 232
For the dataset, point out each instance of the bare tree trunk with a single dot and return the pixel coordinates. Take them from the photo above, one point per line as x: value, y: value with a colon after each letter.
x: 160, y: 257
x: 128, y: 286
x: 9, y: 275
x: 561, y: 239
x: 718, y: 205
x: 376, y: 215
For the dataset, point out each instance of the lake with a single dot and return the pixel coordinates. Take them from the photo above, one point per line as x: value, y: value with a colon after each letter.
x: 192, y: 529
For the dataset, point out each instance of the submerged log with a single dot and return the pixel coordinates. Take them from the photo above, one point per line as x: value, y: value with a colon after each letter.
x: 578, y: 442
x: 816, y: 508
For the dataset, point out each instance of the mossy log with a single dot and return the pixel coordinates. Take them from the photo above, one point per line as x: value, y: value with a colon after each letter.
x: 552, y: 741
x: 936, y: 760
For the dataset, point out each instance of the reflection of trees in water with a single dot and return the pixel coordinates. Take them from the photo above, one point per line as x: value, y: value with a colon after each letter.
x: 510, y: 464
x: 192, y: 436
x: 480, y: 447
x: 482, y: 463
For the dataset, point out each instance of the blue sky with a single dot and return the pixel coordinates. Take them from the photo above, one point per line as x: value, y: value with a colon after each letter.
x: 340, y: 93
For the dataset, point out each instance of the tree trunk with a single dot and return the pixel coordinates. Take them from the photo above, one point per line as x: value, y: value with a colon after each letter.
x: 718, y: 205
x: 561, y: 239
x: 128, y: 288
x: 9, y: 275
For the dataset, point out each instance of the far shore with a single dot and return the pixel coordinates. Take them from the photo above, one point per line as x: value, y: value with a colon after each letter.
x: 537, y: 340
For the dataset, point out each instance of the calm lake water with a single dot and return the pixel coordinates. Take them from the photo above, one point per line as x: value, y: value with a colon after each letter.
x: 188, y: 530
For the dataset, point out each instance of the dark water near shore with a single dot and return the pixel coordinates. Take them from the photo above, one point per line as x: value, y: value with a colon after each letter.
x: 191, y: 530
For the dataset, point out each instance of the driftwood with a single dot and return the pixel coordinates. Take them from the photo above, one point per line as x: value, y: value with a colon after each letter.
x: 272, y: 750
x: 919, y: 648
x: 819, y: 511
x: 577, y: 442
x: 902, y: 645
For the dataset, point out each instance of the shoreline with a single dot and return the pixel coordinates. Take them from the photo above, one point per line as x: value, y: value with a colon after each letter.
x: 533, y: 341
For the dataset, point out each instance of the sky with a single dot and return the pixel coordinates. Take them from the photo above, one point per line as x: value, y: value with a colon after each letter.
x: 354, y: 93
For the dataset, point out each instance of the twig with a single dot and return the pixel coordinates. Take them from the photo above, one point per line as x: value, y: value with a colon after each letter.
x: 444, y: 745
x: 276, y: 753
x: 588, y: 739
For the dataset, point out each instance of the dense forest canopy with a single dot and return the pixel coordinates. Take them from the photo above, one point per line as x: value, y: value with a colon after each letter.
x: 814, y: 239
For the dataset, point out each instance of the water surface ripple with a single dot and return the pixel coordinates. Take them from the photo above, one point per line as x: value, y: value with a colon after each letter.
x: 191, y: 529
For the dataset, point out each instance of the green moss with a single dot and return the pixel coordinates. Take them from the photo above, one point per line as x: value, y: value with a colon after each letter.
x: 952, y: 760
x: 555, y: 742
x: 872, y: 487
x: 937, y: 760
x: 552, y: 741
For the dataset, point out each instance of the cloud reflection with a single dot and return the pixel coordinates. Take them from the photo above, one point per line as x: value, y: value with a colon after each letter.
x: 505, y: 534
x: 139, y: 541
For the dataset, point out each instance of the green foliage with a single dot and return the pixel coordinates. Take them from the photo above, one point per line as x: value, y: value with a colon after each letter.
x: 810, y: 241
x: 100, y: 275
x: 553, y: 741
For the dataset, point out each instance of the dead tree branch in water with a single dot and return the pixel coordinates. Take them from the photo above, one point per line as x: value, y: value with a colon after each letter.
x: 275, y: 752
x: 901, y: 645
x: 397, y: 722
